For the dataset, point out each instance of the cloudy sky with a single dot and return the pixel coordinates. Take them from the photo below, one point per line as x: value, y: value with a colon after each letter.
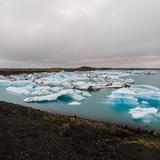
x: 71, y: 33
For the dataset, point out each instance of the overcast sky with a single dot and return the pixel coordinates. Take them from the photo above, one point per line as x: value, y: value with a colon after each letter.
x: 71, y: 33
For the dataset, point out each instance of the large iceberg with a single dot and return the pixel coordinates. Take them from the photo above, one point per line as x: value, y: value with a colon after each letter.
x: 135, y: 95
x: 123, y: 98
x: 54, y: 96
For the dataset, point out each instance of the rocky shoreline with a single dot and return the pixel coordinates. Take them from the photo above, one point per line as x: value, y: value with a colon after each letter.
x: 27, y: 133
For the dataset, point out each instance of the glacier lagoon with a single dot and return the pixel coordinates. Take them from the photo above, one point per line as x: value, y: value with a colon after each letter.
x: 123, y: 97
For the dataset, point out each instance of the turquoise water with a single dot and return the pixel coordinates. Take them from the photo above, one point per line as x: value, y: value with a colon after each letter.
x: 94, y: 107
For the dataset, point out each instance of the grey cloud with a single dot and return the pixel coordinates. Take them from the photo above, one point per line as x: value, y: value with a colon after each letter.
x: 49, y: 33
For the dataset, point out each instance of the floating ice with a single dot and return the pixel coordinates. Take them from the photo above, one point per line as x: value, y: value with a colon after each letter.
x: 144, y: 103
x: 21, y: 83
x: 147, y: 93
x: 147, y: 114
x: 117, y: 85
x: 20, y: 90
x: 83, y: 93
x: 123, y: 98
x: 146, y: 87
x: 87, y: 86
x: 48, y: 86
x: 129, y: 81
x: 74, y: 103
x: 4, y: 83
x: 52, y: 97
x: 137, y: 94
x: 41, y: 90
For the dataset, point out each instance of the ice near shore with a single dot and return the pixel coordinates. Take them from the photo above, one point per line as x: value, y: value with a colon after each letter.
x: 140, y: 112
x: 145, y: 114
x: 141, y: 101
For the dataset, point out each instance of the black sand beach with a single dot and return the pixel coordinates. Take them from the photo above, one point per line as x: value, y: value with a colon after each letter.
x: 27, y: 133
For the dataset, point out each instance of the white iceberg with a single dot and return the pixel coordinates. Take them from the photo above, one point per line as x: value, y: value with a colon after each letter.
x: 144, y: 103
x: 90, y: 86
x: 146, y: 87
x: 137, y: 94
x: 20, y: 83
x: 147, y: 114
x: 20, y: 90
x: 52, y: 97
x: 83, y: 93
x: 41, y: 90
x: 129, y: 81
x: 117, y: 85
x: 74, y: 103
x: 122, y: 101
x: 4, y: 83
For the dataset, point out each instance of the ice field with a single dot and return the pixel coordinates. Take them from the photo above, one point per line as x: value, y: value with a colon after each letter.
x: 130, y: 97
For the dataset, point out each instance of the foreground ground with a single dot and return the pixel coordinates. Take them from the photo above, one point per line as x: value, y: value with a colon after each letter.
x: 29, y: 134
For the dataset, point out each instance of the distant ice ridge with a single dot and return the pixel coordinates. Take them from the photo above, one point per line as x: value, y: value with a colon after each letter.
x: 134, y: 96
x: 68, y: 80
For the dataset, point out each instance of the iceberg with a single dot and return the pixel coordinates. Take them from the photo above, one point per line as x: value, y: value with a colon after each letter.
x: 135, y: 95
x: 20, y: 90
x: 87, y: 86
x: 20, y: 83
x: 117, y: 85
x: 148, y: 94
x: 41, y: 90
x: 53, y: 97
x: 129, y: 81
x: 144, y: 103
x: 74, y: 103
x: 146, y: 87
x: 146, y: 114
x: 123, y: 98
x: 52, y: 82
x: 66, y: 85
x: 139, y: 112
x: 83, y: 93
x: 52, y: 86
x: 56, y: 89
x: 4, y: 83
x: 50, y: 97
